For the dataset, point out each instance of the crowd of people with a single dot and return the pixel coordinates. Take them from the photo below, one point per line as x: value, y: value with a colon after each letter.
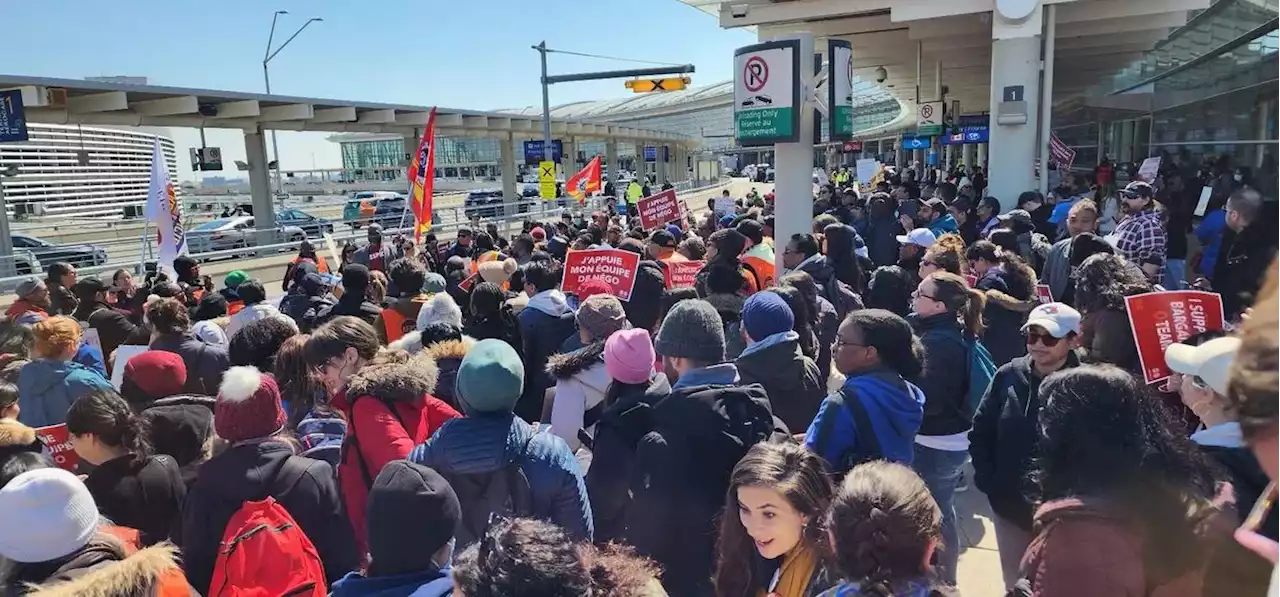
x: 442, y: 418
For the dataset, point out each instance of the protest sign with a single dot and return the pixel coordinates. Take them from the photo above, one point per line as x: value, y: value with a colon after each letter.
x: 1159, y: 319
x: 866, y: 170
x: 58, y: 440
x: 680, y: 274
x: 1149, y: 168
x: 90, y: 336
x: 656, y: 210
x: 724, y: 206
x: 971, y: 279
x: 1044, y: 293
x: 469, y: 283
x: 124, y: 352
x: 1203, y: 204
x: 614, y: 267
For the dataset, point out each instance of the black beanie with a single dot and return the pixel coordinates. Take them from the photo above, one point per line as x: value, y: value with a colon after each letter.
x: 355, y: 278
x: 412, y: 514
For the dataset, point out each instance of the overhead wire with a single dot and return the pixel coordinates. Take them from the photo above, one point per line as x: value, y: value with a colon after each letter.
x: 602, y: 57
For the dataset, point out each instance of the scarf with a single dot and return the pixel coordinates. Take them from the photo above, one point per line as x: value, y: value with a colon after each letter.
x: 792, y: 579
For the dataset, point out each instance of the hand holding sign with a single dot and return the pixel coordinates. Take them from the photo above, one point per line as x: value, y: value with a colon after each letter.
x: 1159, y: 319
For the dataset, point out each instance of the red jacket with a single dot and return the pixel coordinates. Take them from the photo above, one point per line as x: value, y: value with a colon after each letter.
x: 376, y: 435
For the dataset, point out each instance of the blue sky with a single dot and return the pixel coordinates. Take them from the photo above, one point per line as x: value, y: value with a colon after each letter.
x: 472, y: 54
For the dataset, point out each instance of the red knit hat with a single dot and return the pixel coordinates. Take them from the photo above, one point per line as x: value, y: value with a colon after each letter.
x: 248, y: 405
x: 158, y: 373
x: 592, y: 287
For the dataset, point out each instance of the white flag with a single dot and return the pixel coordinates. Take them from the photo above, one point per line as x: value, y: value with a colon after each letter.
x: 164, y: 210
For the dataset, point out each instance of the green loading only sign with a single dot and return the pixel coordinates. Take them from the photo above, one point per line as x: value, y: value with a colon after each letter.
x: 766, y: 93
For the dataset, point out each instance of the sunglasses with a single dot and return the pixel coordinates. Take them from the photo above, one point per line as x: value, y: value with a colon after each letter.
x: 1046, y: 339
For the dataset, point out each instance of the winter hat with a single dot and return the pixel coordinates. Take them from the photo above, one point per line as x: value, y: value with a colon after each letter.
x: 434, y: 283
x: 601, y: 315
x: 180, y: 429
x: 490, y: 378
x: 248, y: 405
x: 628, y: 356
x: 235, y: 279
x: 355, y: 279
x: 592, y: 287
x: 30, y: 286
x: 766, y: 313
x: 412, y: 513
x: 498, y: 271
x: 440, y: 308
x: 49, y: 514
x: 156, y: 374
x: 675, y: 232
x: 538, y: 234
x: 692, y: 330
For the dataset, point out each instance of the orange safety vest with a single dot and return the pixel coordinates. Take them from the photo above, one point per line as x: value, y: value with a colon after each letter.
x: 763, y: 271
x: 749, y: 281
x: 321, y: 265
x: 397, y: 325
x: 234, y: 307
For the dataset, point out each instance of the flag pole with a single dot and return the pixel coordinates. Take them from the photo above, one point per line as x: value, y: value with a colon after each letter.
x: 142, y: 254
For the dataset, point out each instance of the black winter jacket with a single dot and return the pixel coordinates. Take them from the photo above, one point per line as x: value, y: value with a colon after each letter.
x: 790, y: 379
x: 205, y: 362
x: 681, y: 475
x: 1006, y: 311
x: 355, y: 306
x: 1242, y: 264
x: 252, y: 472
x: 945, y: 378
x: 1006, y: 431
x: 542, y: 333
x: 618, y: 432
x: 114, y: 327
x: 304, y: 308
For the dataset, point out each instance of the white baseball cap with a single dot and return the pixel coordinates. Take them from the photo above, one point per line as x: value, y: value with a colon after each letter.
x: 1058, y: 319
x: 922, y: 237
x: 1211, y: 361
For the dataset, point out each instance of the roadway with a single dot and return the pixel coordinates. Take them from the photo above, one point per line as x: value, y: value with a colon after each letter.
x: 270, y: 268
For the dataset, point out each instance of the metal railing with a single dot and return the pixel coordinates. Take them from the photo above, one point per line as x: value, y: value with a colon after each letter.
x: 443, y: 231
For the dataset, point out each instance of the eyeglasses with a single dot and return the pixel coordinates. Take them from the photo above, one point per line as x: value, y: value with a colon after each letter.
x: 1046, y: 339
x: 929, y: 263
x: 842, y: 342
x: 917, y: 294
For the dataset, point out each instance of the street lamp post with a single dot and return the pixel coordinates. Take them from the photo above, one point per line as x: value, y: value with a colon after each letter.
x: 266, y: 76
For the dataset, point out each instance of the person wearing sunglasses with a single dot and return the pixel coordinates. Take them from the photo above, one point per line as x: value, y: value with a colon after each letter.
x: 1006, y: 426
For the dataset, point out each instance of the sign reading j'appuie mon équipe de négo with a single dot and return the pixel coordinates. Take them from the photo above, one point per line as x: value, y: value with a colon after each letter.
x: 766, y: 91
x: 840, y: 88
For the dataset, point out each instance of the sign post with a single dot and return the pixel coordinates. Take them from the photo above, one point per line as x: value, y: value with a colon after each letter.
x: 840, y: 88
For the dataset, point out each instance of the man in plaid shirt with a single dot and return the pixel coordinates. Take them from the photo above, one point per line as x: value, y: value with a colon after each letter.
x: 1141, y: 237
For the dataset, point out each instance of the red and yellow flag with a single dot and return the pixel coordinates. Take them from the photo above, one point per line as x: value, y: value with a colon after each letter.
x: 585, y: 182
x: 422, y: 179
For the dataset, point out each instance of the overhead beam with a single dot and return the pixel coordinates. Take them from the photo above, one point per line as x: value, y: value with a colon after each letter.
x: 98, y: 102
x: 1072, y: 53
x: 1104, y: 10
x: 451, y: 120
x: 1071, y: 43
x: 791, y: 12
x: 833, y: 27
x: 412, y: 118
x: 287, y: 112
x: 186, y: 104
x: 376, y: 117
x: 240, y: 109
x: 327, y: 115
x: 968, y: 24
x: 475, y: 122
x: 1122, y: 25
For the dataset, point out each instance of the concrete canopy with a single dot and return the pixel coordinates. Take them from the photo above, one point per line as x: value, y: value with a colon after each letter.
x: 957, y: 34
x: 72, y: 101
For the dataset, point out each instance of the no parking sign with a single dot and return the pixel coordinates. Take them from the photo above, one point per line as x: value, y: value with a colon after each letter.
x: 766, y: 91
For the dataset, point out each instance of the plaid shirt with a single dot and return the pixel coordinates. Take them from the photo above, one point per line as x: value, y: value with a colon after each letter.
x: 1142, y: 235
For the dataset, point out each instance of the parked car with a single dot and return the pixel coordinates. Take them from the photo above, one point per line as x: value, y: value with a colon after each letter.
x: 234, y: 233
x: 368, y: 206
x: 313, y: 226
x: 483, y: 203
x: 47, y: 253
x: 25, y: 263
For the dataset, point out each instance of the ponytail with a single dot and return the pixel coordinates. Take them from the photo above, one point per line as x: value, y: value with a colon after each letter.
x: 106, y: 415
x: 954, y: 292
x: 972, y: 312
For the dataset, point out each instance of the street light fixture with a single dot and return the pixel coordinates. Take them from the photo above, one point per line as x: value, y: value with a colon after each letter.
x: 266, y: 76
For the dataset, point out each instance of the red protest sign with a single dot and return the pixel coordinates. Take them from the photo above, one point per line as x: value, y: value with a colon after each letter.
x: 680, y: 274
x: 972, y: 280
x: 656, y: 210
x: 1159, y: 319
x: 1044, y: 293
x: 58, y: 440
x: 614, y: 267
x: 467, y: 284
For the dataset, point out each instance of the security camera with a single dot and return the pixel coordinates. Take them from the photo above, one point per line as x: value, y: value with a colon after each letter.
x: 739, y: 11
x: 881, y: 74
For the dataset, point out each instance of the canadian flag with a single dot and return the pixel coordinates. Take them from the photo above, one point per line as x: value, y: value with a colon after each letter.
x: 585, y: 182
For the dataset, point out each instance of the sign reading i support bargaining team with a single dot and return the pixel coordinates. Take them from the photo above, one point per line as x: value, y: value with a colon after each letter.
x: 656, y: 210
x: 766, y: 91
x: 614, y: 267
x: 1159, y: 319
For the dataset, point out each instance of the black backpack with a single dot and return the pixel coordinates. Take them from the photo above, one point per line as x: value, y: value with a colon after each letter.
x: 868, y: 445
x: 502, y: 493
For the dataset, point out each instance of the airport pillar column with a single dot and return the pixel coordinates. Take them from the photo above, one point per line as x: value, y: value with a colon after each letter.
x: 949, y: 158
x: 611, y: 164
x: 1015, y: 86
x: 793, y: 162
x: 982, y: 158
x: 966, y: 155
x: 510, y: 194
x: 264, y: 212
x: 661, y: 162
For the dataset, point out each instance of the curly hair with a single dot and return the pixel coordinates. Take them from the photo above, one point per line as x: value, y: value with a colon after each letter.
x: 883, y: 521
x: 55, y: 336
x: 948, y: 253
x: 169, y: 316
x: 1104, y: 280
x: 258, y: 343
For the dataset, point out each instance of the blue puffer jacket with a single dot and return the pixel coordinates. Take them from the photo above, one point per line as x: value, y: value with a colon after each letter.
x: 47, y: 387
x: 483, y: 443
x: 430, y: 583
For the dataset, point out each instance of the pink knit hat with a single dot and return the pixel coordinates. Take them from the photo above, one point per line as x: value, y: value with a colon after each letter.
x: 629, y: 356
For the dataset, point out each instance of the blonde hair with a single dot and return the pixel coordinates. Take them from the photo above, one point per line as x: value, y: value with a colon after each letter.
x: 948, y: 252
x: 55, y: 336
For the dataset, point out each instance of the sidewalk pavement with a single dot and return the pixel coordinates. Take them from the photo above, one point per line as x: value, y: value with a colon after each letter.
x: 979, y: 572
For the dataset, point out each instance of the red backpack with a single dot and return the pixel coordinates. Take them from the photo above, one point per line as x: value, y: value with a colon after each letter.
x: 264, y: 552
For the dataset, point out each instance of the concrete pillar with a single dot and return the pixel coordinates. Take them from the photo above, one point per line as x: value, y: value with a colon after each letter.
x: 968, y: 154
x: 611, y: 158
x: 1012, y: 148
x: 899, y: 156
x: 1125, y: 153
x: 981, y: 160
x: 950, y: 159
x: 663, y: 164
x: 264, y: 211
x: 793, y: 163
x: 510, y: 190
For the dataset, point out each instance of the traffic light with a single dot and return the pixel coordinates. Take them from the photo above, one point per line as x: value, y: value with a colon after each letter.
x: 651, y: 85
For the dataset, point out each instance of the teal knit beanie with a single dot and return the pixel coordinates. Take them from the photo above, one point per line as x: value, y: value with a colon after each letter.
x: 490, y: 378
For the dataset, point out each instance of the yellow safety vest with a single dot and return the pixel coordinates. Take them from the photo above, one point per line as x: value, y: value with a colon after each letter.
x: 634, y: 192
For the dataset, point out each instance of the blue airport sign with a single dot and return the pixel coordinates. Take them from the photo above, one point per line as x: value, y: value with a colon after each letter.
x: 917, y: 142
x: 969, y: 129
x: 13, y: 120
x: 650, y: 153
x: 533, y: 151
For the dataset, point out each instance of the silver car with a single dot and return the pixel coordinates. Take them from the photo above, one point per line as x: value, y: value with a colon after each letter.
x: 237, y: 232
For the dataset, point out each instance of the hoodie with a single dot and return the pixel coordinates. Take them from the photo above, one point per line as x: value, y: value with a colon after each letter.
x: 544, y: 325
x: 428, y: 583
x: 944, y: 224
x: 894, y: 408
x: 48, y: 387
x: 306, y: 300
x: 24, y: 311
x: 682, y: 467
x: 581, y: 381
x: 254, y: 312
x: 790, y: 379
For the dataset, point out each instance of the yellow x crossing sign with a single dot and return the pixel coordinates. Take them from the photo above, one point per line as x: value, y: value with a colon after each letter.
x: 651, y: 85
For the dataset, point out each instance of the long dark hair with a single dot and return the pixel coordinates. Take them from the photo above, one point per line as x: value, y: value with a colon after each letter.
x: 57, y: 271
x: 298, y: 383
x: 803, y: 282
x: 883, y: 520
x: 107, y: 415
x: 1105, y: 435
x: 1019, y: 277
x: 803, y: 320
x: 842, y: 257
x: 891, y: 336
x: 795, y: 472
